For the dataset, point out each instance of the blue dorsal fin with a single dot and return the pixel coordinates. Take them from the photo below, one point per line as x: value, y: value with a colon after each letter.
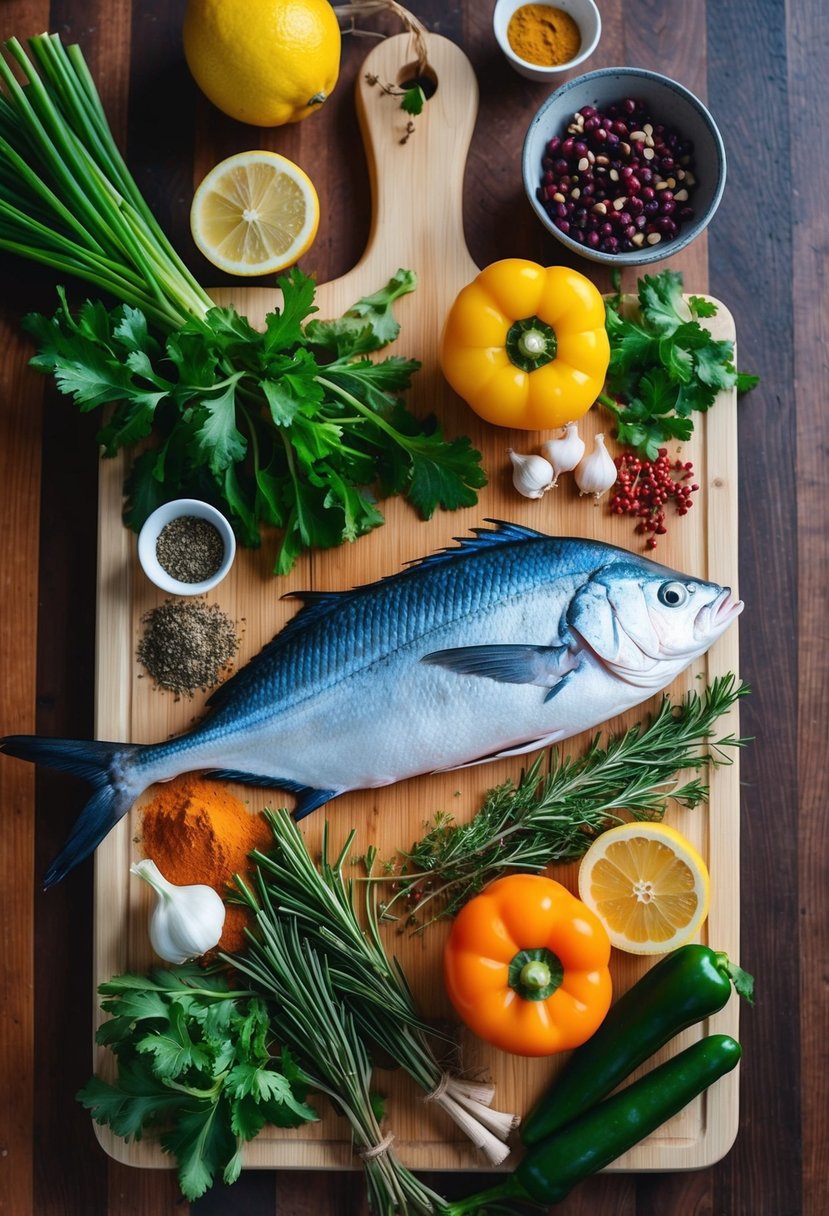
x: 503, y: 533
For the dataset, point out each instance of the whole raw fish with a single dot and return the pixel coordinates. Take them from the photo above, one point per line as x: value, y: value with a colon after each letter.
x: 509, y: 642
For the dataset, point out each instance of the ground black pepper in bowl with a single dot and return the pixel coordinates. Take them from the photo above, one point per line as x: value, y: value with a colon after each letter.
x: 190, y: 549
x: 187, y: 645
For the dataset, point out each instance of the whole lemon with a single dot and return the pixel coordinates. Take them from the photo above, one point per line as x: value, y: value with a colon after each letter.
x: 264, y: 62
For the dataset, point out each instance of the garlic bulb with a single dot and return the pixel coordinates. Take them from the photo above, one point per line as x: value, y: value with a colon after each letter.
x: 597, y: 472
x: 186, y: 921
x: 532, y: 476
x: 565, y: 452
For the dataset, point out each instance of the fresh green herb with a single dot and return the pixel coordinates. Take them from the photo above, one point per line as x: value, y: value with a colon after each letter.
x: 555, y: 816
x: 195, y: 1061
x: 664, y: 366
x: 310, y: 1016
x: 320, y: 899
x: 413, y: 100
x: 67, y: 199
x: 288, y: 428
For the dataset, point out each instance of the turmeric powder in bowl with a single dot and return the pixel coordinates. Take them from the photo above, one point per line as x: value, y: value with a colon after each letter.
x: 542, y: 39
x: 543, y: 35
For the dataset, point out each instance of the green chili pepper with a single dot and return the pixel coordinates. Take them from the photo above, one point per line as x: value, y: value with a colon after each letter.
x: 684, y: 987
x: 551, y: 1168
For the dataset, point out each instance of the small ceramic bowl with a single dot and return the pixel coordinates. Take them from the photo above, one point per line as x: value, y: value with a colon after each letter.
x: 670, y: 104
x: 584, y: 13
x: 152, y: 529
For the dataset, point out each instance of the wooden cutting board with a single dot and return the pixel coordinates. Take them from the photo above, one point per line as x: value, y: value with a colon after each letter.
x: 417, y: 224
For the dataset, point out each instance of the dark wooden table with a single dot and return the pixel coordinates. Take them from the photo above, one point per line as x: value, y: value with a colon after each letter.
x: 762, y: 67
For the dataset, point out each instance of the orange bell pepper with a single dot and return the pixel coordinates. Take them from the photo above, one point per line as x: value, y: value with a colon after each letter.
x: 526, y: 966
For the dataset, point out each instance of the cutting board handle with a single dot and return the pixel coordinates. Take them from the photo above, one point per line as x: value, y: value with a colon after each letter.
x: 417, y: 176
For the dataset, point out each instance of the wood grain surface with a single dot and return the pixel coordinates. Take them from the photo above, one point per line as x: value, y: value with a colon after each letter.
x: 425, y: 235
x: 762, y: 69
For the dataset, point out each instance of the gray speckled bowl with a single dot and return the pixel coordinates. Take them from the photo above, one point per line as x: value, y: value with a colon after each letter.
x: 670, y: 103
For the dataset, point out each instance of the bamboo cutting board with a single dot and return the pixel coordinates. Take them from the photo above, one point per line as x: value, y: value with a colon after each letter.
x: 417, y: 224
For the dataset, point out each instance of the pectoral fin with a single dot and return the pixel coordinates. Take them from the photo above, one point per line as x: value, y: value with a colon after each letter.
x: 510, y: 664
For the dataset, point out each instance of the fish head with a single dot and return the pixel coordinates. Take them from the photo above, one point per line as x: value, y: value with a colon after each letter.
x: 643, y: 621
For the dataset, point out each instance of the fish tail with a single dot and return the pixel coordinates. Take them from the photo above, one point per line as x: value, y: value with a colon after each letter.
x: 106, y: 767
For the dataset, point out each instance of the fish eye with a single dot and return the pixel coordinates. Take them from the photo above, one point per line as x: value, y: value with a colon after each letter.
x: 673, y: 595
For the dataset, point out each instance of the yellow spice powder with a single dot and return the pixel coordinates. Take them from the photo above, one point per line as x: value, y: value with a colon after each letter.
x: 543, y: 35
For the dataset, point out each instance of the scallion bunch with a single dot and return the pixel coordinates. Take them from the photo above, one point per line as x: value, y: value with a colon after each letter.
x: 67, y: 198
x: 309, y: 1016
x: 371, y: 985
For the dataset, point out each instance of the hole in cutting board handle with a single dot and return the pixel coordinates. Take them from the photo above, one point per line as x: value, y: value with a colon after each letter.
x: 410, y: 76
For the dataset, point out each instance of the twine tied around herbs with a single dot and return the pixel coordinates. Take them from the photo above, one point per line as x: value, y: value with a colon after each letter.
x: 376, y: 1150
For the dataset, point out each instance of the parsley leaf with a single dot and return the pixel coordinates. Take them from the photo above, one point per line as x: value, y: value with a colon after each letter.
x: 664, y: 366
x: 294, y: 427
x: 366, y: 325
x: 196, y: 1063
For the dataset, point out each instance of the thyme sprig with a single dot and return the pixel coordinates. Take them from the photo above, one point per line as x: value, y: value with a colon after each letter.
x: 307, y: 1011
x: 554, y: 816
x: 290, y: 887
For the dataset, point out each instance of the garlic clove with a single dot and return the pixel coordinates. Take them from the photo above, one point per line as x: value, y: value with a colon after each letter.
x: 185, y: 922
x: 532, y: 475
x: 596, y: 473
x: 564, y: 452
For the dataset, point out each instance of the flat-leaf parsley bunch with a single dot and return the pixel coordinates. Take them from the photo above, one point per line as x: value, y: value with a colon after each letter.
x: 197, y: 1065
x: 664, y: 365
x: 293, y: 427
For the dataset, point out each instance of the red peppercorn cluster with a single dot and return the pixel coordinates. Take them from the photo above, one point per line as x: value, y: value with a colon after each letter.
x: 645, y: 487
x: 618, y: 179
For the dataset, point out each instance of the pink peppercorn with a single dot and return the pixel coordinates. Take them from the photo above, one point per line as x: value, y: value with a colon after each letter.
x: 645, y: 487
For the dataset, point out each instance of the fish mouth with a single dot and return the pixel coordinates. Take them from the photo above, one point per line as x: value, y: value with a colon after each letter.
x: 715, y: 617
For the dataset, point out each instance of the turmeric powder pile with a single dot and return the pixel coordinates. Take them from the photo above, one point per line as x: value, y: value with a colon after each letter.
x: 197, y: 831
x: 543, y: 35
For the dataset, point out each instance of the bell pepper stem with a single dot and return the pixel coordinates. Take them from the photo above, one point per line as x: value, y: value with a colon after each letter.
x: 530, y: 343
x: 535, y: 975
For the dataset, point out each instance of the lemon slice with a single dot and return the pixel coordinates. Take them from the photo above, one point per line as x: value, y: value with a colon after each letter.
x: 255, y: 213
x: 648, y: 886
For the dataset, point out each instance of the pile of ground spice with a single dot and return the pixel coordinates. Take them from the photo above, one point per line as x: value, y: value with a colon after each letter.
x: 197, y: 831
x: 187, y: 645
x: 190, y: 549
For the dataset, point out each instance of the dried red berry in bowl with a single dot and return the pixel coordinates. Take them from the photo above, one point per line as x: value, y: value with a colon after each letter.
x: 623, y: 165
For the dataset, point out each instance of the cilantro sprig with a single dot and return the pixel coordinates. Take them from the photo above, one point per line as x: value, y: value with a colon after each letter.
x: 294, y: 427
x: 664, y: 365
x: 196, y: 1063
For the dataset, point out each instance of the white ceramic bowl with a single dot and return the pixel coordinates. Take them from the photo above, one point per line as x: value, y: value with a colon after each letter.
x: 151, y: 530
x: 670, y: 103
x: 584, y: 13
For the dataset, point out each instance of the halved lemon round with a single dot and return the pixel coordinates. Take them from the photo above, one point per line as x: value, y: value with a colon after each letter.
x: 648, y: 886
x: 255, y: 213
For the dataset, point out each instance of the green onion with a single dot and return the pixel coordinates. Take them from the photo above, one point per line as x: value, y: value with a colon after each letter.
x: 372, y: 985
x: 67, y: 199
x: 309, y: 1017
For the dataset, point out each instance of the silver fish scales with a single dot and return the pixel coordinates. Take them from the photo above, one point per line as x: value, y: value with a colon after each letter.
x: 506, y: 643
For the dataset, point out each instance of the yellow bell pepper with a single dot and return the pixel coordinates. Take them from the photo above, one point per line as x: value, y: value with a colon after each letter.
x: 526, y: 345
x: 526, y: 966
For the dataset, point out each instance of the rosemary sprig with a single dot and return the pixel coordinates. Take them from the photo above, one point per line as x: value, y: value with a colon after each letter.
x: 371, y: 984
x: 308, y: 1015
x: 555, y: 816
